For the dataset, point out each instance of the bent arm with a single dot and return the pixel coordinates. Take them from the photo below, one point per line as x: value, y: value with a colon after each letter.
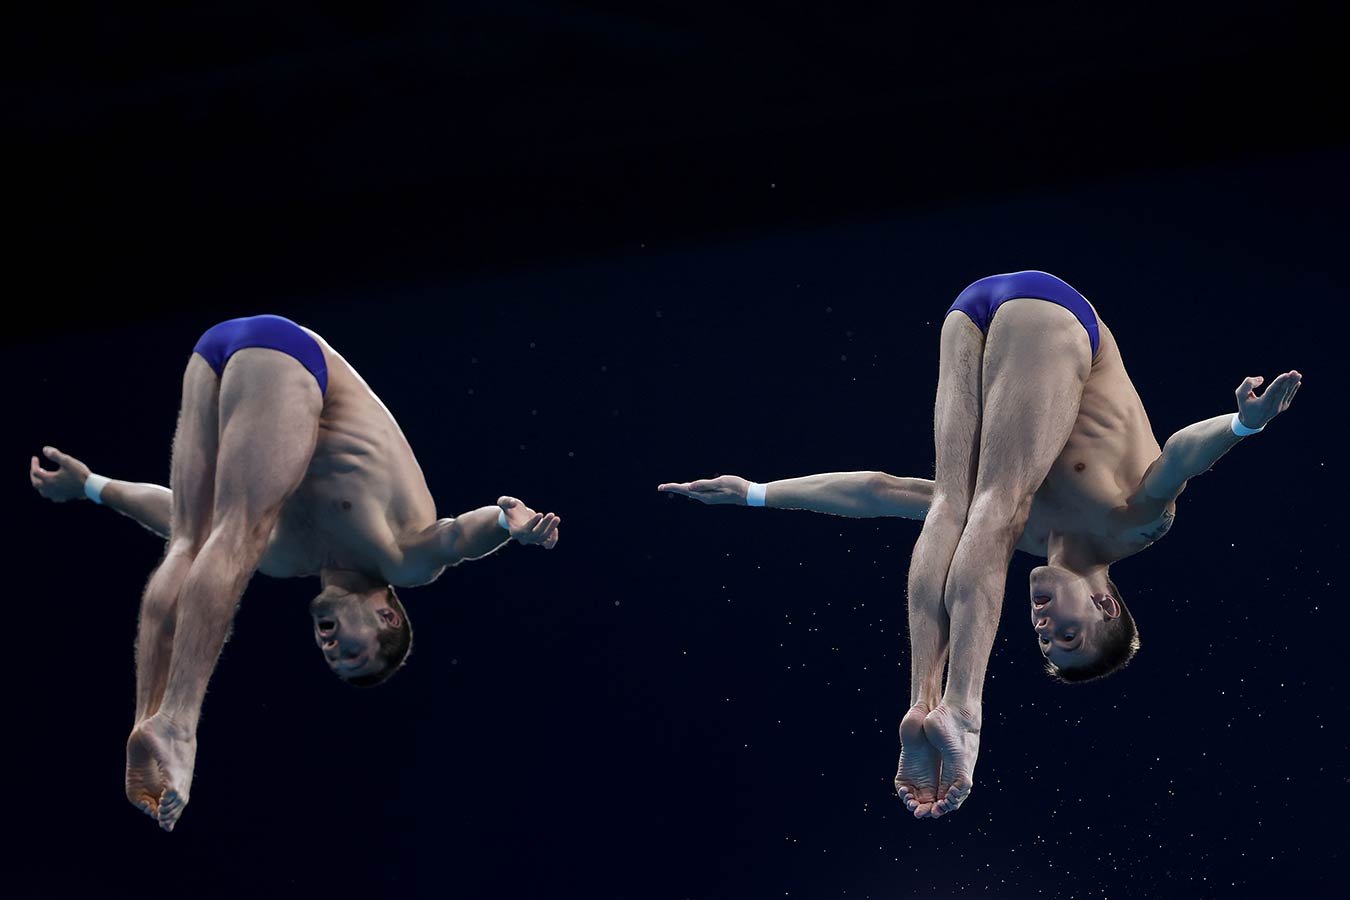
x: 448, y: 542
x: 1190, y: 452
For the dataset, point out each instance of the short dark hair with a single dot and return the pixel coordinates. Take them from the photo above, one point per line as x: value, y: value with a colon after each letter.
x: 395, y: 645
x: 1118, y: 641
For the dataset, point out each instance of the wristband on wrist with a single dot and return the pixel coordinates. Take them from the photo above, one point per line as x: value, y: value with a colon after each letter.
x: 755, y: 495
x: 1242, y: 430
x: 501, y: 520
x: 93, y: 487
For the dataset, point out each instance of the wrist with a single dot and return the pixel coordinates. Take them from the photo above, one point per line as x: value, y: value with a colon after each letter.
x: 502, y: 523
x: 93, y: 487
x: 755, y: 494
x: 1237, y: 426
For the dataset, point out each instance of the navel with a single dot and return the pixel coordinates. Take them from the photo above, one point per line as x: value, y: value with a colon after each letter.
x: 1078, y: 467
x: 346, y: 504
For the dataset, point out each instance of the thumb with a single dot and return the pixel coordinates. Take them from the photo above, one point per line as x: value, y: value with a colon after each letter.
x: 53, y: 454
x: 507, y: 502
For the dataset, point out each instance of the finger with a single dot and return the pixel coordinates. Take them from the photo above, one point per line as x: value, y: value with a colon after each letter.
x: 673, y: 486
x: 534, y: 520
x: 55, y: 455
x: 543, y: 527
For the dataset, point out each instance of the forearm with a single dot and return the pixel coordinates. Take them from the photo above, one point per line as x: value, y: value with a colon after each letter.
x: 1195, y: 448
x: 473, y: 535
x: 855, y: 494
x: 149, y: 504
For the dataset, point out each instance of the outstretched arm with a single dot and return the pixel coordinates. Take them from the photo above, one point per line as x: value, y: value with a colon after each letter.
x: 1195, y: 448
x: 473, y: 535
x: 861, y: 495
x: 149, y: 504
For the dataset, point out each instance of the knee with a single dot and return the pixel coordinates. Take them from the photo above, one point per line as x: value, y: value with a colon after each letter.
x: 998, y: 517
x: 238, y: 538
x: 946, y: 511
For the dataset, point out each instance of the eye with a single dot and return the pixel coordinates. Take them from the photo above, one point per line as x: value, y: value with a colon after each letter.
x: 1068, y: 635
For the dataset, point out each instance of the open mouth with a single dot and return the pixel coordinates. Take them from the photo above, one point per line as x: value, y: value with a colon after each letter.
x: 1039, y: 601
x: 327, y: 627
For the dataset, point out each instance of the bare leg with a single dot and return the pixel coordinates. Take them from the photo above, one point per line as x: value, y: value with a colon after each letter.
x: 192, y: 478
x: 269, y: 414
x: 1036, y: 362
x: 956, y: 438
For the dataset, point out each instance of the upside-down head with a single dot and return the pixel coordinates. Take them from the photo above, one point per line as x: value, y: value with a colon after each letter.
x: 365, y: 636
x: 1083, y: 634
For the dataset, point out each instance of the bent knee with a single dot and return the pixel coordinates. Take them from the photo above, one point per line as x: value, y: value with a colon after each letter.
x: 240, y: 535
x: 998, y: 514
x: 947, y: 510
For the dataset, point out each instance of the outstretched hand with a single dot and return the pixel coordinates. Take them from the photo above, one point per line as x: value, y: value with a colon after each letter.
x: 65, y: 483
x: 528, y: 526
x: 1254, y: 411
x: 722, y: 489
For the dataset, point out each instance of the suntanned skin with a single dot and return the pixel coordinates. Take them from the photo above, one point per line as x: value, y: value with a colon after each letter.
x: 271, y: 475
x: 1040, y: 447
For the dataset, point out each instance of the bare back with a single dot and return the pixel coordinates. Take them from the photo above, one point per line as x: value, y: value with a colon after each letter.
x: 363, y: 492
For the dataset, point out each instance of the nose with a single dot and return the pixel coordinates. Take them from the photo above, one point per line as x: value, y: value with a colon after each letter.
x: 1043, y: 625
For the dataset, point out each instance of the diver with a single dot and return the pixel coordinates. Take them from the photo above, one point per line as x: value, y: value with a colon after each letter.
x: 284, y: 462
x: 1042, y: 445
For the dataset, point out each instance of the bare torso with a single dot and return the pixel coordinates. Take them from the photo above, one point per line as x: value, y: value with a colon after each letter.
x: 1106, y: 455
x: 363, y: 492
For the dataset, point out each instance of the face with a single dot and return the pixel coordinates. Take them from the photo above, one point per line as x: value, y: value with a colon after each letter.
x: 1066, y: 615
x: 347, y: 629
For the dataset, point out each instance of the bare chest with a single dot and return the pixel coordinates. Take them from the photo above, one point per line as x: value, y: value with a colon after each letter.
x: 362, y: 491
x: 1107, y: 452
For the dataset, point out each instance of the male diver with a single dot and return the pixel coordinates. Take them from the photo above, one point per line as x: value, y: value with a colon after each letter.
x: 1042, y: 445
x: 284, y: 462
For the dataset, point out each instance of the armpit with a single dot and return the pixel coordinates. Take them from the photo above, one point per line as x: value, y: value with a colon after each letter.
x: 1156, y: 529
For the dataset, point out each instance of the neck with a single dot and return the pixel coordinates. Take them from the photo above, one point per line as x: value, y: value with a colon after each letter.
x: 347, y: 580
x: 1069, y: 551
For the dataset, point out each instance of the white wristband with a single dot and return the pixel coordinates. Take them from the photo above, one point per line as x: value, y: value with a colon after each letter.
x: 755, y: 495
x: 93, y: 487
x: 1242, y: 430
x: 501, y: 520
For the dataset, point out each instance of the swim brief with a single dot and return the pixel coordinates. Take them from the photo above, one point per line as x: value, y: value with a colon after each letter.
x: 220, y: 342
x: 983, y: 298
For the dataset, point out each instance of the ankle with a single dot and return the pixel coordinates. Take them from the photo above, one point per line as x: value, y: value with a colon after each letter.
x: 968, y: 711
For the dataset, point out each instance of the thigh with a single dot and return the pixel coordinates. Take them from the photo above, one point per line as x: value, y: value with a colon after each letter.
x: 192, y: 472
x: 1037, y: 359
x: 269, y: 423
x: 956, y: 415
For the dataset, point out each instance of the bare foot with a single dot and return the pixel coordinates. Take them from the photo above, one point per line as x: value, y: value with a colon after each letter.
x: 917, y: 779
x: 956, y: 735
x: 160, y: 757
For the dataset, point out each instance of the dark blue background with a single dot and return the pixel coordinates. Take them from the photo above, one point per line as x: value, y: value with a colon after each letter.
x: 681, y: 701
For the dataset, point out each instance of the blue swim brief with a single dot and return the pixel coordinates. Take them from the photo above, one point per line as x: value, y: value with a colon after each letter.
x: 220, y: 342
x: 983, y: 298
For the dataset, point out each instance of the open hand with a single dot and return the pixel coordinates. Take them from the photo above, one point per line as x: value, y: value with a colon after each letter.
x: 722, y: 489
x: 528, y: 526
x: 1254, y: 411
x: 66, y: 483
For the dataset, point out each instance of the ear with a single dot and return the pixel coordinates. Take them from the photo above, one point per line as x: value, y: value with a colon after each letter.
x: 1109, y: 605
x: 389, y: 617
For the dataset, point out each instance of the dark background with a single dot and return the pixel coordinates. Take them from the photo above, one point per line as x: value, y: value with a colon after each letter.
x: 582, y: 249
